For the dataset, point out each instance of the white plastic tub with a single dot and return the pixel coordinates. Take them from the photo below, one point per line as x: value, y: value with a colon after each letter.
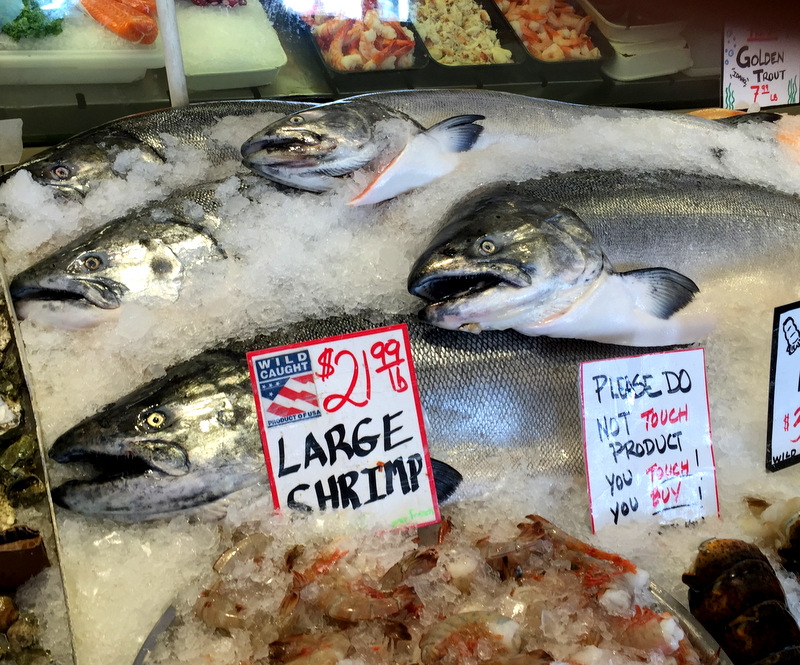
x: 228, y: 48
x: 634, y: 33
x: 222, y: 48
x: 633, y: 61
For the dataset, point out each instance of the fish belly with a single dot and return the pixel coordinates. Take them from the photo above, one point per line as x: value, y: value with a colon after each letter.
x: 609, y: 313
x: 422, y: 161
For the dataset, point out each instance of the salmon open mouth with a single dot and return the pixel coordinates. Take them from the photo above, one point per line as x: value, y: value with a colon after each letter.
x: 444, y: 289
x: 85, y: 292
x: 105, y: 467
x: 266, y: 144
x: 273, y: 143
x: 97, y: 470
x: 41, y: 293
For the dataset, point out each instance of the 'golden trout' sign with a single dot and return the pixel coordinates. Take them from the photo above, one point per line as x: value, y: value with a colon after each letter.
x: 760, y: 68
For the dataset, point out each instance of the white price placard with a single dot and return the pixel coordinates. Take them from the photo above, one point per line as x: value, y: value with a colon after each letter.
x: 783, y: 424
x: 342, y: 429
x: 760, y: 67
x: 647, y: 437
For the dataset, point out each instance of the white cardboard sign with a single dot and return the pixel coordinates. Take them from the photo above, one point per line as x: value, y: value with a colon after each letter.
x: 783, y: 425
x: 647, y: 438
x: 341, y: 426
x: 760, y: 67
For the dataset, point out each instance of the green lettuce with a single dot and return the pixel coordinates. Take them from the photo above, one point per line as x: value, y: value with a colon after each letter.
x: 32, y: 22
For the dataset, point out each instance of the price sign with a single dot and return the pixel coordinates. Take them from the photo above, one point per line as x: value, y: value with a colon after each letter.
x: 341, y: 426
x: 783, y: 423
x: 760, y: 67
x: 647, y: 437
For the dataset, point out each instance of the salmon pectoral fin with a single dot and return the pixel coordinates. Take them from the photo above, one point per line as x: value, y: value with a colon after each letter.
x: 123, y: 20
x: 660, y: 291
x: 427, y: 156
x: 457, y: 134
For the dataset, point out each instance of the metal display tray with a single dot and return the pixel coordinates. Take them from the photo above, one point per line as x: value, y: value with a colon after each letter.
x: 428, y: 73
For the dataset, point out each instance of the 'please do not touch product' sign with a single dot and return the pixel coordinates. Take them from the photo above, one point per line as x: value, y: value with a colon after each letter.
x: 341, y: 427
x: 647, y: 436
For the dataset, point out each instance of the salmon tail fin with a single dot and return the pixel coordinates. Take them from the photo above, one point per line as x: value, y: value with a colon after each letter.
x: 660, y: 291
x: 758, y: 118
x: 445, y: 478
x: 457, y: 134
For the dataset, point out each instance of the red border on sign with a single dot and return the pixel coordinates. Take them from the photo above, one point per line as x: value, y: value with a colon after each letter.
x: 403, y: 328
x: 583, y: 418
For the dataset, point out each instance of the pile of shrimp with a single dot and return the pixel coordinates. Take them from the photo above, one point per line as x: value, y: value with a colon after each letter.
x: 458, y: 32
x: 439, y: 596
x: 551, y: 30
x: 368, y: 44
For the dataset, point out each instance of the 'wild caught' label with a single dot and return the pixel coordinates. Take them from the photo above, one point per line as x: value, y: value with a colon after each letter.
x: 286, y: 386
x: 341, y: 426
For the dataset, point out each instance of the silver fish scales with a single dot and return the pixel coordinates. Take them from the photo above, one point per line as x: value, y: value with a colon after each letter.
x: 76, y: 164
x: 158, y: 455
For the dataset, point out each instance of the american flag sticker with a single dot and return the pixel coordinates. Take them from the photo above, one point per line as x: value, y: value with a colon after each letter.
x: 286, y: 386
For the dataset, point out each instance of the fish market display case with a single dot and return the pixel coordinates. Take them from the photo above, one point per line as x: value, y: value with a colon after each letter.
x: 91, y: 587
x: 67, y: 83
x: 215, y: 260
x: 425, y: 71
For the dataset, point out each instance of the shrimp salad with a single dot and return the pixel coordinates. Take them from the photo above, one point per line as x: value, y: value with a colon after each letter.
x: 458, y: 32
x: 552, y: 30
x: 446, y: 595
x: 368, y: 44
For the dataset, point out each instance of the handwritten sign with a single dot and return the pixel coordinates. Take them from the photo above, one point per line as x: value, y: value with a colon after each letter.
x: 341, y: 427
x: 647, y: 437
x: 783, y: 423
x: 760, y: 67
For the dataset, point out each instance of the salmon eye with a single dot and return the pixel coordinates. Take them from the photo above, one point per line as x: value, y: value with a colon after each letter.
x: 487, y: 246
x: 156, y: 419
x: 92, y: 262
x: 61, y: 172
x: 296, y: 120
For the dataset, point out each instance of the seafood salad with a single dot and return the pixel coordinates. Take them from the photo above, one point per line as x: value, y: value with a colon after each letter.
x: 459, y: 32
x: 453, y: 594
x: 307, y: 244
x: 551, y: 30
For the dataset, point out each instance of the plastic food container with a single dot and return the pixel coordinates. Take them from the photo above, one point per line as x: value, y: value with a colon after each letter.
x: 228, y: 48
x: 564, y: 70
x: 221, y: 49
x: 428, y: 73
x: 377, y: 79
x: 633, y: 61
x: 635, y: 32
x: 473, y: 31
x: 84, y: 52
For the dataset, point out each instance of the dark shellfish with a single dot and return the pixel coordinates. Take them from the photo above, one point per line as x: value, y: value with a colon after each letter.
x: 781, y: 522
x: 735, y: 594
x: 22, y: 555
